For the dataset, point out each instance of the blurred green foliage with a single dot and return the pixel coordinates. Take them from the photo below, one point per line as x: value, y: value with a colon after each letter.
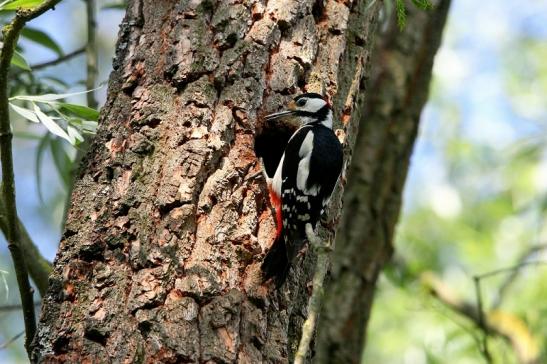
x: 484, y: 209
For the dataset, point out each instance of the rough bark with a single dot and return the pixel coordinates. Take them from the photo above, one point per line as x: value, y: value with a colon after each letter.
x: 159, y: 261
x: 397, y: 91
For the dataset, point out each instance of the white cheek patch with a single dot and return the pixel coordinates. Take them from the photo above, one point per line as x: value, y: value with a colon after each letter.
x: 313, y: 105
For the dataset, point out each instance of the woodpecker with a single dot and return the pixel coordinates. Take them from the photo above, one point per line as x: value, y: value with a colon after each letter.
x: 304, y: 180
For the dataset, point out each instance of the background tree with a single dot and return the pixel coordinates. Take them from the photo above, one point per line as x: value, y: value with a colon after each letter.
x: 473, y: 201
x: 398, y: 89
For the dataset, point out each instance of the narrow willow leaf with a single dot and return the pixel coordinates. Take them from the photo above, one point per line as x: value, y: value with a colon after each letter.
x: 19, y: 61
x: 44, y: 142
x: 20, y: 4
x: 81, y: 111
x: 73, y: 132
x: 62, y: 161
x: 49, y: 97
x: 89, y: 126
x: 27, y: 114
x: 83, y: 126
x: 51, y: 125
x: 42, y: 38
x: 3, y: 275
x: 55, y: 81
x: 26, y: 135
x: 122, y: 5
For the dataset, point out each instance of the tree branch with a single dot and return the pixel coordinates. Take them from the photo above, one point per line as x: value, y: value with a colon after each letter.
x: 90, y: 50
x: 56, y: 61
x: 40, y: 269
x: 314, y: 305
x: 481, y: 322
x: 495, y: 322
x: 91, y: 53
x: 514, y: 272
x: 10, y: 341
x: 16, y: 307
x: 388, y: 119
x: 11, y: 34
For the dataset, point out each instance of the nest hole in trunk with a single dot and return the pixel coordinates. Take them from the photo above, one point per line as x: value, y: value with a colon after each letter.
x: 270, y: 142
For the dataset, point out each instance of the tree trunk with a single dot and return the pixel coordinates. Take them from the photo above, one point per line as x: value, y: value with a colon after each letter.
x: 159, y: 261
x: 397, y: 91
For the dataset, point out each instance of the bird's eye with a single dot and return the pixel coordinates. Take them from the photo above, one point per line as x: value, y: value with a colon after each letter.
x: 301, y: 102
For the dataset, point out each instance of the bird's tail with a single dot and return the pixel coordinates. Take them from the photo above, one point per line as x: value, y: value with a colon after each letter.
x: 276, y: 263
x: 279, y: 258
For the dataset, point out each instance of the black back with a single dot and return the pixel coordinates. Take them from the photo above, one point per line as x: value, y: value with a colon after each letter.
x: 325, y: 167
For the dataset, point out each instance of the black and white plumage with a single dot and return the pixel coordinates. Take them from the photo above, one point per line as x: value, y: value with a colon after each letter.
x: 304, y: 180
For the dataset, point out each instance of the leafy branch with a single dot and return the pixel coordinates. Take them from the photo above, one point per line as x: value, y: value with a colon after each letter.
x: 56, y: 61
x: 11, y: 34
x: 494, y: 322
x: 78, y: 119
x: 400, y: 10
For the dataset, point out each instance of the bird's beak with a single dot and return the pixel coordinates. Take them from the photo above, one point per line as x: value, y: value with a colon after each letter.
x: 282, y: 114
x: 278, y: 115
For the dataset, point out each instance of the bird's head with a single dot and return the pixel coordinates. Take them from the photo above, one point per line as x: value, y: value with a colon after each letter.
x: 308, y: 108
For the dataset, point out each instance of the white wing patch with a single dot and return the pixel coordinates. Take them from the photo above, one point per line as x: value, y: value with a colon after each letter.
x: 305, y: 152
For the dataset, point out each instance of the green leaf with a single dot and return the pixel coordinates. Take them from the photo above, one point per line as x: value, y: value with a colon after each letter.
x: 26, y: 135
x: 423, y: 4
x: 55, y: 81
x: 19, y: 4
x: 89, y: 126
x: 52, y: 125
x: 81, y: 111
x: 62, y: 161
x: 42, y: 38
x: 401, y: 14
x: 73, y: 133
x: 44, y: 142
x: 19, y: 61
x: 3, y: 275
x: 121, y: 5
x: 49, y: 97
x: 26, y: 113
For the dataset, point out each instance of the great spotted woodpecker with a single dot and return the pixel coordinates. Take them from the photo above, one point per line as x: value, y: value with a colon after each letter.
x: 304, y: 180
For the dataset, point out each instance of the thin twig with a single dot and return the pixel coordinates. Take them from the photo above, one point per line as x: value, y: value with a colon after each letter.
x: 515, y: 267
x: 11, y: 33
x: 16, y: 307
x: 478, y: 294
x: 482, y: 324
x: 91, y: 80
x: 10, y: 341
x: 514, y: 273
x: 91, y: 53
x: 40, y: 268
x: 54, y: 62
x: 492, y: 322
x: 314, y: 304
